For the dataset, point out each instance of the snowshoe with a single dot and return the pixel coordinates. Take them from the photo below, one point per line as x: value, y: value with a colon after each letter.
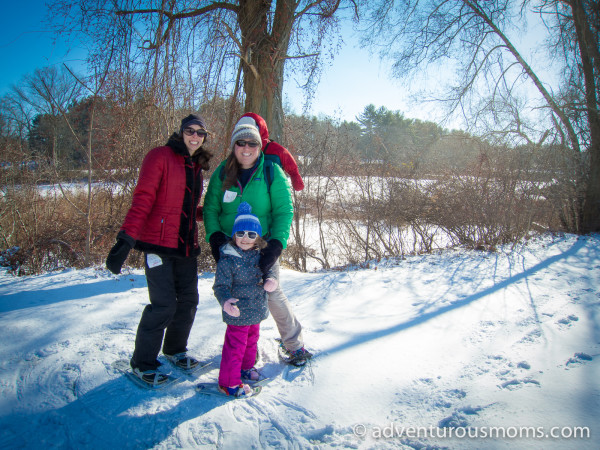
x: 251, y: 375
x: 183, y: 361
x: 149, y: 379
x: 243, y: 391
x: 296, y: 358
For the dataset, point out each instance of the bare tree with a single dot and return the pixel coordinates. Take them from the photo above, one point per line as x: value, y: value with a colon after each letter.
x: 94, y: 86
x: 578, y: 33
x: 490, y: 69
x: 216, y: 45
x: 44, y: 93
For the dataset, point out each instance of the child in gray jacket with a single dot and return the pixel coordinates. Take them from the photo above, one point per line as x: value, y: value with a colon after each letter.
x: 240, y: 290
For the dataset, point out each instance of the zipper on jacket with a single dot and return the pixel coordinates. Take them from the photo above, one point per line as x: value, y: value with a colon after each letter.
x: 192, y: 213
x: 249, y: 181
x: 191, y: 216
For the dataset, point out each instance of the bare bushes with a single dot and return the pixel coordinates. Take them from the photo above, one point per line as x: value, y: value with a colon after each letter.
x: 483, y: 212
x: 375, y: 212
x: 352, y: 209
x: 45, y: 232
x: 41, y: 230
x: 365, y: 218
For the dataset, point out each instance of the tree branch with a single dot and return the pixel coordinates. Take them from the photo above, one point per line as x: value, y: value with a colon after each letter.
x: 529, y: 71
x: 174, y: 17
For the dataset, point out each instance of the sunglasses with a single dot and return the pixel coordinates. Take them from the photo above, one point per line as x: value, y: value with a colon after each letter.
x: 250, y: 144
x: 191, y: 132
x: 250, y: 234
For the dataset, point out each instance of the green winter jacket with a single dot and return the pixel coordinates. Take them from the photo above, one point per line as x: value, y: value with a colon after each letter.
x: 275, y: 211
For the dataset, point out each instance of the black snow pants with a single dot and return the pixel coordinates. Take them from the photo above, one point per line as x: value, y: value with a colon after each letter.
x: 173, y: 291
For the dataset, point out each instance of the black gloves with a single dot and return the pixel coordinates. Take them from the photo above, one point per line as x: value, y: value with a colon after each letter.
x: 118, y: 254
x: 269, y: 255
x: 216, y: 240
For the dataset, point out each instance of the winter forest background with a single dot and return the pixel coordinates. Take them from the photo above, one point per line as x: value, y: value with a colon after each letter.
x: 382, y: 185
x: 457, y: 264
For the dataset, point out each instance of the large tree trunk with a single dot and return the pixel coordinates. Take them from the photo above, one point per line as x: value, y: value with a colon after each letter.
x: 588, y: 47
x: 263, y: 58
x: 263, y: 90
x: 262, y: 40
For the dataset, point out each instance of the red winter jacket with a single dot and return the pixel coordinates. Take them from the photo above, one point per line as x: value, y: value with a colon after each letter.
x: 164, y: 209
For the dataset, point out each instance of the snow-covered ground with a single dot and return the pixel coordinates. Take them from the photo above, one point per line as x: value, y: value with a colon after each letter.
x: 425, y: 352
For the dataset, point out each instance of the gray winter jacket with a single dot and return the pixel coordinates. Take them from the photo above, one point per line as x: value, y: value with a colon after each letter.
x: 238, y: 276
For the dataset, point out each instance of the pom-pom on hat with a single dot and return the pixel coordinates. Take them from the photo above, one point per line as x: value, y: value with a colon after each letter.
x: 246, y: 129
x: 192, y: 119
x: 245, y: 220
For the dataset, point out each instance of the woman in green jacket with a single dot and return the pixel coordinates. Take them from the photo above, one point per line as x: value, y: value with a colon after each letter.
x: 241, y: 178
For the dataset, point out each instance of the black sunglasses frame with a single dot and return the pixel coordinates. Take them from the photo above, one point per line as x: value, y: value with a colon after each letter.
x: 250, y: 144
x: 191, y: 132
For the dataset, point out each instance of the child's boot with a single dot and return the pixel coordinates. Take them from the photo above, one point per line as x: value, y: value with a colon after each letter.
x: 236, y: 391
x: 250, y: 375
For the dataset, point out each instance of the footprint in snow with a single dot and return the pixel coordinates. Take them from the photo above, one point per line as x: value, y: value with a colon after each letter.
x: 449, y: 397
x: 567, y: 321
x: 515, y: 383
x: 532, y: 336
x: 578, y: 358
x: 524, y: 365
x: 459, y: 418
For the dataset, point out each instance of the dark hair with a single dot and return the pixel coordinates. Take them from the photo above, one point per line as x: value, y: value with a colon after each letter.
x: 231, y: 169
x: 259, y: 243
x: 201, y: 156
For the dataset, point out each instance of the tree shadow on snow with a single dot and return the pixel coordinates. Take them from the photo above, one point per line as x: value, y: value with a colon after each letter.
x: 426, y: 316
x: 46, y: 294
x: 116, y: 414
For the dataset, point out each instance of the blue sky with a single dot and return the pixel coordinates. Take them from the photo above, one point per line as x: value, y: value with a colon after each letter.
x: 26, y: 43
x: 354, y: 80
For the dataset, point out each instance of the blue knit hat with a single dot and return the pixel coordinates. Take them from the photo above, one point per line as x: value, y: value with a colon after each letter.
x: 245, y: 220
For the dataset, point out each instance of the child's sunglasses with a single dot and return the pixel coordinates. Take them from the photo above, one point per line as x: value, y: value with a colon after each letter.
x: 250, y: 234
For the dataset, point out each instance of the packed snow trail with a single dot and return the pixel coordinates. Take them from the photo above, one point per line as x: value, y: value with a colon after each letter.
x: 453, y: 341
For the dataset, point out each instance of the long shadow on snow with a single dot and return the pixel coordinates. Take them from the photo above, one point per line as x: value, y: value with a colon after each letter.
x: 47, y: 295
x: 114, y: 415
x: 366, y: 337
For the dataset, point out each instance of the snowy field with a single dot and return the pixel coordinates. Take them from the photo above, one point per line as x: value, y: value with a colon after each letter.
x: 458, y: 349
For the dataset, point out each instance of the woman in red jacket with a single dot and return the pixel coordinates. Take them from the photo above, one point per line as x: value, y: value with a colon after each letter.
x: 162, y: 223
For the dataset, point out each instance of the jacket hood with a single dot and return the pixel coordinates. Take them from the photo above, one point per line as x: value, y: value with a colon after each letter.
x: 262, y: 126
x: 229, y: 249
x: 176, y: 143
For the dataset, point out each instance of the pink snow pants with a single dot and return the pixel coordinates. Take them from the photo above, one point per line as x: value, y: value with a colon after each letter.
x: 239, y: 353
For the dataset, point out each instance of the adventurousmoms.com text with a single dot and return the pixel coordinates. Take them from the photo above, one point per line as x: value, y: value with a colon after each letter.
x: 392, y: 431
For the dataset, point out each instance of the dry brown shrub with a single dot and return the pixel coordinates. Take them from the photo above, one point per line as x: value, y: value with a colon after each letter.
x: 43, y: 228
